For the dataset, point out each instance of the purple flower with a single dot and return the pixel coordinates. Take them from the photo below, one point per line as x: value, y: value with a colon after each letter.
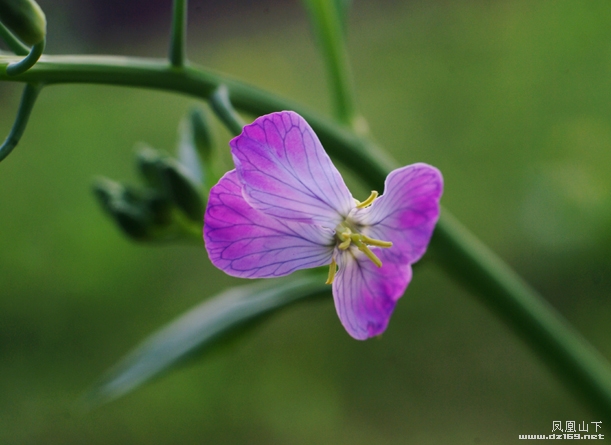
x: 285, y: 207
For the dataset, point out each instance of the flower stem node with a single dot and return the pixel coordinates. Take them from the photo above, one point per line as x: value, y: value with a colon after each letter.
x: 286, y: 207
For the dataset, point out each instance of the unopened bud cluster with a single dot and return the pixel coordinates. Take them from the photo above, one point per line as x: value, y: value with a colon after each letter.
x: 171, y: 198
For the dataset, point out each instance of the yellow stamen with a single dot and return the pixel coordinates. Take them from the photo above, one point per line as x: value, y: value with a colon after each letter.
x: 346, y: 234
x: 368, y: 201
x: 363, y: 248
x: 375, y: 242
x: 332, y: 272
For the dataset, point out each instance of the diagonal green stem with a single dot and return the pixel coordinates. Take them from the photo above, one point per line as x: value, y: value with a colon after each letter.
x: 580, y: 367
x: 13, y: 42
x: 178, y: 34
x: 220, y: 102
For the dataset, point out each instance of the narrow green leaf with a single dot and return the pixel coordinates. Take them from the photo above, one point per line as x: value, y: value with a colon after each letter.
x: 199, y: 329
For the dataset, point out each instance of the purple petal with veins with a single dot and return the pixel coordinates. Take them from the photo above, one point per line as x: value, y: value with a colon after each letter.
x: 365, y: 295
x: 406, y: 213
x: 246, y: 243
x: 286, y: 173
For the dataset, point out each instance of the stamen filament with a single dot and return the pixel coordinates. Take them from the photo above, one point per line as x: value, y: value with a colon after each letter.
x: 375, y: 242
x: 332, y: 272
x: 368, y: 201
x: 363, y: 248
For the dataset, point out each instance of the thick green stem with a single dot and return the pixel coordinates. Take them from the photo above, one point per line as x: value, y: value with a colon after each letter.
x: 178, y: 34
x: 580, y: 367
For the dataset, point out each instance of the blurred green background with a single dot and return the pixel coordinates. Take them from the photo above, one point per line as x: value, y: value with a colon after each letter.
x: 511, y: 99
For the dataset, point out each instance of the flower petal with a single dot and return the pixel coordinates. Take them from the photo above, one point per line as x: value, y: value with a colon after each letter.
x: 244, y: 242
x: 286, y: 173
x: 407, y: 212
x: 365, y: 295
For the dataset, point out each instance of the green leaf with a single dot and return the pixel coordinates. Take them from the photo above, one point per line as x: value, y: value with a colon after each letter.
x: 201, y: 328
x: 181, y: 189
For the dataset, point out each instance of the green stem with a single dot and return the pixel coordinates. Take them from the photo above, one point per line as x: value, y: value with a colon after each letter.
x: 327, y: 23
x: 178, y: 34
x: 13, y: 42
x: 580, y: 367
x: 222, y: 107
x: 28, y: 98
x: 27, y: 62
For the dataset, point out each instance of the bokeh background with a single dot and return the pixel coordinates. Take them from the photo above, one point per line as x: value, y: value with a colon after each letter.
x: 511, y: 99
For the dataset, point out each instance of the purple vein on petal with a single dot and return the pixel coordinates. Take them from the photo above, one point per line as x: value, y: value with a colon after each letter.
x: 407, y: 212
x: 286, y: 172
x: 365, y: 296
x: 245, y: 242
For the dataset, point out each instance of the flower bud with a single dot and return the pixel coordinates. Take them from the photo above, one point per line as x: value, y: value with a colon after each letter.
x: 148, y: 163
x: 122, y: 204
x: 25, y: 19
x: 182, y: 190
x: 159, y: 208
x: 171, y: 181
x: 202, y: 138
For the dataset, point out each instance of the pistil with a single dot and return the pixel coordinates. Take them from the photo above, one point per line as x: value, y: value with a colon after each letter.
x: 368, y: 201
x: 332, y: 272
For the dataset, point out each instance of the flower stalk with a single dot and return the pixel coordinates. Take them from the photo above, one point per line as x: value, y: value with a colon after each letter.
x: 328, y: 27
x: 178, y: 34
